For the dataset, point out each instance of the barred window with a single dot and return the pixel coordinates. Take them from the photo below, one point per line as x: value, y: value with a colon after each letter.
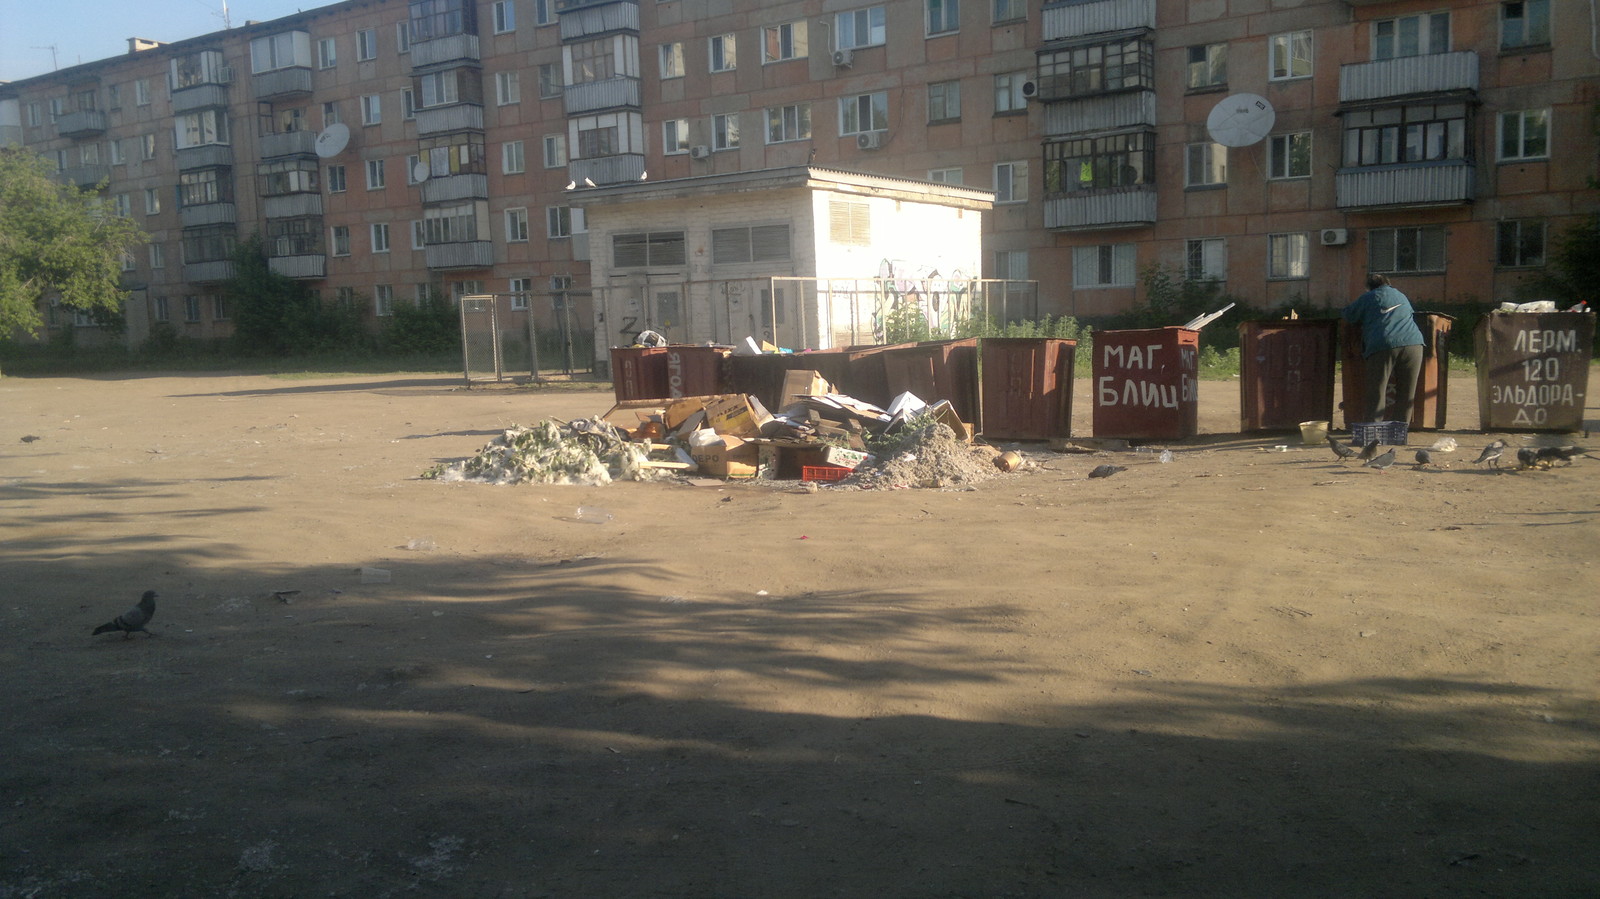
x: 647, y: 248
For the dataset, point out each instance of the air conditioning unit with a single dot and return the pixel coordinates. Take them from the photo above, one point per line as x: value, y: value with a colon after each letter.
x: 1335, y: 237
x: 1030, y: 89
x: 870, y: 140
x: 699, y: 152
x: 225, y: 74
x: 843, y: 58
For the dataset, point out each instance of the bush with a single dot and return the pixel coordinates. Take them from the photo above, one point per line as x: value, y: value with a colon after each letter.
x: 429, y: 326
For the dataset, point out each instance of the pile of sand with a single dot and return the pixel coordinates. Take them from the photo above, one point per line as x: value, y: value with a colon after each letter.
x: 928, y: 456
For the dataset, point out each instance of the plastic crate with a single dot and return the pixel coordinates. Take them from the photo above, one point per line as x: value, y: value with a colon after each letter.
x: 1387, y: 433
x: 823, y: 473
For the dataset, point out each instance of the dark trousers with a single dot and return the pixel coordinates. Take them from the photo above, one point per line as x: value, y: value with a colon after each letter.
x: 1398, y: 369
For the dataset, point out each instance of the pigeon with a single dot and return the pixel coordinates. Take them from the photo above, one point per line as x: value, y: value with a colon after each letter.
x: 1382, y: 462
x: 588, y: 182
x: 571, y: 185
x: 1565, y: 454
x: 1106, y: 471
x: 1368, y: 451
x: 644, y: 176
x: 1491, y: 454
x: 1424, y: 458
x: 1343, y: 452
x: 134, y: 619
x: 1528, y: 457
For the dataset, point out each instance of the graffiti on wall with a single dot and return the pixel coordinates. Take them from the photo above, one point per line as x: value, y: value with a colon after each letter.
x: 905, y: 285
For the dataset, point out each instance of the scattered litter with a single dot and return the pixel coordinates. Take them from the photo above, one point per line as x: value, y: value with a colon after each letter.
x: 591, y: 515
x: 374, y: 575
x: 1444, y: 445
x: 421, y: 545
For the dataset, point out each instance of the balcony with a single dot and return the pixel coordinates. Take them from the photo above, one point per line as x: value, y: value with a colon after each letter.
x: 1125, y: 208
x: 449, y: 119
x: 204, y: 157
x: 455, y: 187
x: 607, y: 169
x: 84, y: 177
x: 449, y: 48
x: 202, y: 272
x: 1398, y: 186
x: 1109, y: 112
x: 207, y: 214
x: 281, y: 84
x: 1076, y: 19
x: 473, y: 254
x: 304, y: 267
x: 599, y: 18
x: 289, y: 206
x: 81, y: 123
x: 288, y: 143
x: 1407, y: 76
x: 200, y: 96
x: 593, y: 96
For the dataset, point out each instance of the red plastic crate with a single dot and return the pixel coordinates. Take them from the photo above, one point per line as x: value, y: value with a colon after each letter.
x: 823, y: 473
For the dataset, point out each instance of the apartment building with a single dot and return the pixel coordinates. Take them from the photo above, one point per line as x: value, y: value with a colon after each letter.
x: 383, y: 148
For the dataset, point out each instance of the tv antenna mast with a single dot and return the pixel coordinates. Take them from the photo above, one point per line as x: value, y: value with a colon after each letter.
x: 54, y: 66
x: 227, y: 21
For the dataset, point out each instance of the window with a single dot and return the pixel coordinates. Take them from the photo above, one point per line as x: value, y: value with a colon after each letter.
x: 439, y: 88
x: 786, y: 123
x: 505, y: 17
x: 413, y: 163
x: 122, y: 205
x: 945, y: 176
x: 330, y: 114
x: 89, y: 154
x: 1008, y: 96
x: 335, y: 179
x: 550, y: 80
x: 380, y: 237
x: 541, y: 13
x: 408, y: 104
x: 459, y: 289
x: 158, y: 256
x: 1011, y: 265
x: 1208, y: 66
x: 147, y: 147
x: 672, y: 60
x: 555, y: 151
x: 944, y: 102
x: 519, y: 288
x: 284, y: 176
x: 507, y: 88
x: 1011, y: 182
x: 152, y: 200
x: 198, y: 129
x: 1419, y: 249
x: 141, y: 92
x: 944, y: 17
x: 1411, y: 35
x: 517, y: 225
x: 421, y: 291
x: 1010, y: 11
x: 1518, y: 244
x: 675, y: 136
x: 511, y: 158
x: 366, y: 44
x: 118, y: 153
x: 594, y: 143
x: 442, y: 18
x: 418, y: 234
x: 159, y: 310
x: 1206, y: 259
x: 327, y: 53
x: 1525, y: 134
x: 35, y: 115
x: 849, y: 224
x: 1107, y: 265
x: 864, y: 112
x: 375, y: 179
x: 786, y: 41
x: 1288, y: 255
x: 191, y: 309
x: 725, y: 131
x: 1290, y: 55
x: 642, y: 248
x: 761, y: 243
x: 724, y: 53
x: 114, y: 96
x: 219, y: 308
x: 558, y: 221
x: 341, y: 240
x: 211, y: 243
x: 344, y: 297
x: 128, y: 262
x: 204, y: 186
x: 1205, y: 165
x: 1289, y: 155
x: 456, y: 223
x: 382, y: 300
x: 860, y: 28
x: 461, y: 153
x: 402, y: 37
x: 593, y: 61
x: 1525, y: 24
x: 371, y: 110
x: 1421, y: 132
x: 300, y: 236
x: 58, y: 107
x: 1086, y: 70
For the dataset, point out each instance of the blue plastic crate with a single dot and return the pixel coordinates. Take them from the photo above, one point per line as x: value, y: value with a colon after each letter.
x: 1387, y: 433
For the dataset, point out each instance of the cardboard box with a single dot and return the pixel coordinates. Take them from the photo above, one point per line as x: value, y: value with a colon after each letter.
x: 728, y: 457
x: 802, y: 383
x: 736, y: 414
x: 843, y: 458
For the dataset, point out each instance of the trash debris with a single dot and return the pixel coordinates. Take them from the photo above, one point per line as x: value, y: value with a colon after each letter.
x: 592, y: 515
x: 374, y: 575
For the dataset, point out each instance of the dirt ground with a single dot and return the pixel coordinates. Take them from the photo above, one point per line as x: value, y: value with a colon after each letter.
x: 1245, y: 673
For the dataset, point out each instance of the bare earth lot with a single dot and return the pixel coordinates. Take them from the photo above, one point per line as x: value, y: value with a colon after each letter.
x: 1242, y: 674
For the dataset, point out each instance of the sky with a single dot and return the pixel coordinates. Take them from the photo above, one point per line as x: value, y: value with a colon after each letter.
x: 88, y: 30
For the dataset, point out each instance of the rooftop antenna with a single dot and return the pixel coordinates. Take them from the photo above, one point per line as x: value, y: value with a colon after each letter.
x: 55, y: 66
x: 227, y: 20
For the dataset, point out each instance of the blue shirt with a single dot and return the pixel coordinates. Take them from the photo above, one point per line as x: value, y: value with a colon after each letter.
x: 1384, y: 315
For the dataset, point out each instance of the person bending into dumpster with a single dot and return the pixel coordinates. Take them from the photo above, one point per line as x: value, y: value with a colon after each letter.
x: 1391, y: 348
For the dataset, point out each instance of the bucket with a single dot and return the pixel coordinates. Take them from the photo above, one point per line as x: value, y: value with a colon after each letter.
x: 1313, y: 433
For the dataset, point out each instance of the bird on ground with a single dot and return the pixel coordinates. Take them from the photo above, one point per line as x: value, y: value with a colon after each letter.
x: 1491, y: 454
x: 1106, y: 471
x: 1383, y: 461
x: 1368, y: 451
x: 134, y: 619
x: 1551, y: 454
x: 1528, y: 457
x: 1424, y: 458
x: 1343, y: 452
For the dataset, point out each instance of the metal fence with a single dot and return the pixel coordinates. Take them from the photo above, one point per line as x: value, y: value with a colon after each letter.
x: 524, y: 335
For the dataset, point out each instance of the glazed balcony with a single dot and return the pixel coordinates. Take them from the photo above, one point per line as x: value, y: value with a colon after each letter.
x: 1108, y: 112
x: 449, y: 48
x: 607, y: 169
x: 84, y: 177
x: 200, y: 96
x: 449, y: 119
x: 282, y: 84
x: 288, y: 143
x: 1111, y: 208
x: 1076, y: 19
x: 1383, y: 79
x: 203, y: 272
x: 597, y: 95
x: 204, y: 157
x: 455, y: 187
x: 307, y: 267
x: 207, y: 214
x: 81, y: 123
x: 290, y: 206
x: 1406, y: 186
x: 588, y: 20
x: 471, y: 254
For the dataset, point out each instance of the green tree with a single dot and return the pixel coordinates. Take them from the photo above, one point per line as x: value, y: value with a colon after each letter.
x: 1573, y: 266
x: 56, y: 241
x: 275, y: 315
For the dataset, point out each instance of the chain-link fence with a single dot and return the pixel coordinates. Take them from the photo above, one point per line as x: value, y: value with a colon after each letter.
x: 525, y: 335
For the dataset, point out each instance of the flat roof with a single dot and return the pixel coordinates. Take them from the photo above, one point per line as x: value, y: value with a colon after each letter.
x: 808, y: 177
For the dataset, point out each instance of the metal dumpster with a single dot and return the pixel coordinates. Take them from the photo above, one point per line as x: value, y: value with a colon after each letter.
x: 1146, y: 383
x: 1286, y: 372
x: 1433, y: 383
x: 697, y: 370
x: 1027, y: 387
x: 936, y: 370
x: 1533, y: 370
x: 638, y: 372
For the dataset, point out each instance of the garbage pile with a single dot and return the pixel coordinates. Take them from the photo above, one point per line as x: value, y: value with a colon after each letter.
x: 576, y: 452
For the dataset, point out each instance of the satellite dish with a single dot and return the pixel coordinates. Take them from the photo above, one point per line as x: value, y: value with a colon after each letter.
x: 1240, y: 120
x: 420, y: 172
x: 333, y: 139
